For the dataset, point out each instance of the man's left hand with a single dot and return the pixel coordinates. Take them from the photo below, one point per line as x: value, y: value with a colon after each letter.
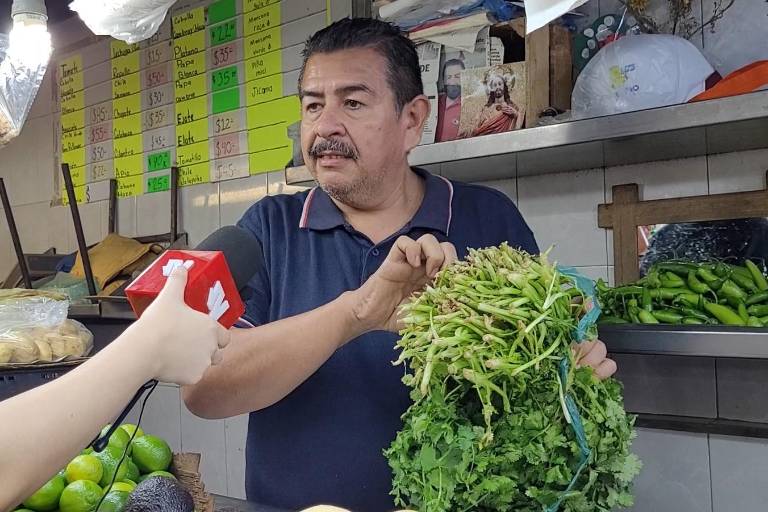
x: 595, y: 355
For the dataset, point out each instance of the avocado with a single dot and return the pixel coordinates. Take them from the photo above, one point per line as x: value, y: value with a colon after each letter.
x: 160, y: 494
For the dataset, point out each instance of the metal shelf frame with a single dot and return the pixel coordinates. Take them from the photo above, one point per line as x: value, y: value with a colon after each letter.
x: 723, y: 125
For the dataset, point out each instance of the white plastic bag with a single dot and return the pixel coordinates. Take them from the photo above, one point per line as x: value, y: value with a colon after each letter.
x: 128, y: 20
x: 640, y: 72
x: 18, y: 87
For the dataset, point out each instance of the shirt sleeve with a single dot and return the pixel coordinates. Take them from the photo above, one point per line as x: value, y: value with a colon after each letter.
x: 256, y: 295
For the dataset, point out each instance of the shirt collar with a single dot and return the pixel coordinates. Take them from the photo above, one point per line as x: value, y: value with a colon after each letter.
x: 321, y: 213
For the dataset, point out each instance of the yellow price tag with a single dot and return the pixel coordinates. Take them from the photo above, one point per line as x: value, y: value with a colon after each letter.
x: 189, y: 45
x: 263, y: 42
x: 262, y: 19
x: 75, y: 158
x: 191, y: 133
x: 268, y: 137
x: 127, y: 146
x: 80, y: 196
x: 69, y: 67
x: 121, y: 48
x: 126, y: 126
x: 263, y: 65
x: 252, y: 5
x: 270, y: 160
x: 190, y: 88
x: 284, y: 110
x: 126, y: 106
x: 264, y: 89
x: 72, y: 121
x: 188, y: 22
x: 72, y: 140
x: 194, y: 174
x: 72, y: 102
x: 186, y: 67
x: 125, y: 65
x: 126, y: 85
x: 129, y: 166
x: 192, y: 154
x: 191, y: 110
x: 130, y: 186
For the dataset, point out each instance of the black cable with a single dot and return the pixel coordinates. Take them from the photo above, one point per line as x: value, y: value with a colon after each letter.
x: 127, y: 446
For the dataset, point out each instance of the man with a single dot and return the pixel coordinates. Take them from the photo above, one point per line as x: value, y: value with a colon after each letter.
x: 449, y: 103
x: 317, y: 435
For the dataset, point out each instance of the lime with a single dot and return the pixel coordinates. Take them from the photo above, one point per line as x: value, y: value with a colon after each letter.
x: 130, y: 429
x: 151, y: 453
x: 119, y: 486
x: 114, y: 502
x: 133, y: 471
x: 47, y: 497
x: 163, y: 474
x: 130, y: 482
x: 84, y: 467
x: 80, y: 496
x: 110, y: 458
x: 119, y: 438
x: 87, y: 451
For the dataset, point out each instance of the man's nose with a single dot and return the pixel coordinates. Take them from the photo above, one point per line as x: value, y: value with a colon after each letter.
x: 328, y: 124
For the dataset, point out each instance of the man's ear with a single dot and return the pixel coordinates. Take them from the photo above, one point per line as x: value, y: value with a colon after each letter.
x: 414, y: 116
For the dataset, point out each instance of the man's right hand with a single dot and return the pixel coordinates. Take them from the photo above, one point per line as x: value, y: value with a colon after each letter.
x: 409, y: 266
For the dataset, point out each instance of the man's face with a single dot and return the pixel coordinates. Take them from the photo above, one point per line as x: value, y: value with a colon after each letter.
x: 452, y: 80
x: 352, y: 137
x: 496, y: 85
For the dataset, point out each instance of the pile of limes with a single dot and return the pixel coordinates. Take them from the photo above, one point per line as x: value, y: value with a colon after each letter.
x: 80, y: 486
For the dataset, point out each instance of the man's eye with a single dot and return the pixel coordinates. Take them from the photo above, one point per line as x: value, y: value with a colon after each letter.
x: 313, y: 107
x: 353, y: 104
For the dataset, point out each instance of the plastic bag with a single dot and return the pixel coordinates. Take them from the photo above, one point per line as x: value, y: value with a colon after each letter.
x: 18, y: 87
x: 640, y: 72
x: 34, y: 329
x: 128, y: 20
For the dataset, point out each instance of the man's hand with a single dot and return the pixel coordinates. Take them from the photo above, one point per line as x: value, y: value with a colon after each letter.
x: 410, y: 265
x: 510, y: 109
x: 595, y: 355
x: 182, y: 342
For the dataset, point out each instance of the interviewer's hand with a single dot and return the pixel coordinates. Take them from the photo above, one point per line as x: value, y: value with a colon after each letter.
x: 409, y: 266
x: 181, y: 342
x: 595, y: 355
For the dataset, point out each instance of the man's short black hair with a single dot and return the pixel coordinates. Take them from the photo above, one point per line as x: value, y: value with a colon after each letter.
x: 454, y: 62
x: 403, y: 71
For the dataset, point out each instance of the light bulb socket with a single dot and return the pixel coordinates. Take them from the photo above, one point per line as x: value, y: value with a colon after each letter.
x: 29, y: 9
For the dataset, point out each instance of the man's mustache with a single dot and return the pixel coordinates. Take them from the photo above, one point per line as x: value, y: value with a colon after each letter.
x: 335, y: 146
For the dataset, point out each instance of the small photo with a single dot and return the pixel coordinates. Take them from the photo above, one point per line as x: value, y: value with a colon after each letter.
x: 492, y: 99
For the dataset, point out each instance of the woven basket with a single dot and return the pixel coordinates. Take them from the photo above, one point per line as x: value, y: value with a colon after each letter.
x: 186, y: 468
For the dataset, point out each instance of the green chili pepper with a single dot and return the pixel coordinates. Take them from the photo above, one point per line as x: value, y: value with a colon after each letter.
x: 690, y: 299
x: 743, y: 312
x: 757, y: 275
x: 646, y: 317
x: 744, y: 282
x: 757, y: 298
x: 690, y: 320
x: 632, y: 303
x: 690, y: 312
x: 732, y: 291
x: 647, y: 300
x: 633, y: 314
x: 629, y: 290
x: 608, y: 319
x: 653, y: 279
x: 680, y: 268
x: 758, y: 309
x: 707, y: 275
x: 668, y: 293
x: 744, y: 271
x: 672, y: 280
x: 696, y: 285
x: 723, y: 313
x: 754, y: 322
x: 666, y: 316
x: 764, y: 320
x: 722, y: 270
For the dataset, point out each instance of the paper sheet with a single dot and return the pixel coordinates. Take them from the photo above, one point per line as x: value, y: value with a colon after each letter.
x: 540, y: 12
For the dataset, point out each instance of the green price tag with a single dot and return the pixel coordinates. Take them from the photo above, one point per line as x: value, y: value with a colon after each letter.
x: 158, y: 183
x: 224, y: 32
x: 159, y: 161
x: 224, y: 78
x: 221, y: 10
x: 224, y: 101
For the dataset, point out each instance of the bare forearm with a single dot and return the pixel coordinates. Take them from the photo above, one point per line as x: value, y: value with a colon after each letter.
x: 264, y: 364
x: 78, y: 404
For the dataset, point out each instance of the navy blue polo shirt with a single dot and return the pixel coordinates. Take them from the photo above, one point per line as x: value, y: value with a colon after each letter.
x: 323, y: 442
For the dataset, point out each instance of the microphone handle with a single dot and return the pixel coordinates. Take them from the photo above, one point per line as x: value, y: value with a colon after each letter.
x: 101, y: 442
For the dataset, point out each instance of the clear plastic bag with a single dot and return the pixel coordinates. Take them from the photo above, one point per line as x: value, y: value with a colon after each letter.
x: 34, y: 328
x: 128, y: 20
x: 19, y: 82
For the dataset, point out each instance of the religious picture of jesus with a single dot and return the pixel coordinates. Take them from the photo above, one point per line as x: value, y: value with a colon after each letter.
x: 493, y: 99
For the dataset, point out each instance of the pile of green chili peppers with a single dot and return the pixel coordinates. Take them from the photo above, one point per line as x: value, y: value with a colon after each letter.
x: 680, y: 292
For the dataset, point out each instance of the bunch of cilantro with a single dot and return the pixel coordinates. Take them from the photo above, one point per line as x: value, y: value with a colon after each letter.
x: 489, y: 429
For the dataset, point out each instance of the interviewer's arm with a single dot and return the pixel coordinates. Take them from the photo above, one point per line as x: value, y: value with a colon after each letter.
x: 263, y: 365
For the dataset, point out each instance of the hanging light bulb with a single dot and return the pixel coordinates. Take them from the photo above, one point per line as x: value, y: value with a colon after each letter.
x: 29, y: 40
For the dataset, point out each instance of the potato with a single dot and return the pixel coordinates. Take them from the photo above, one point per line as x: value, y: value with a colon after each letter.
x: 46, y: 354
x: 25, y: 351
x: 6, y: 351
